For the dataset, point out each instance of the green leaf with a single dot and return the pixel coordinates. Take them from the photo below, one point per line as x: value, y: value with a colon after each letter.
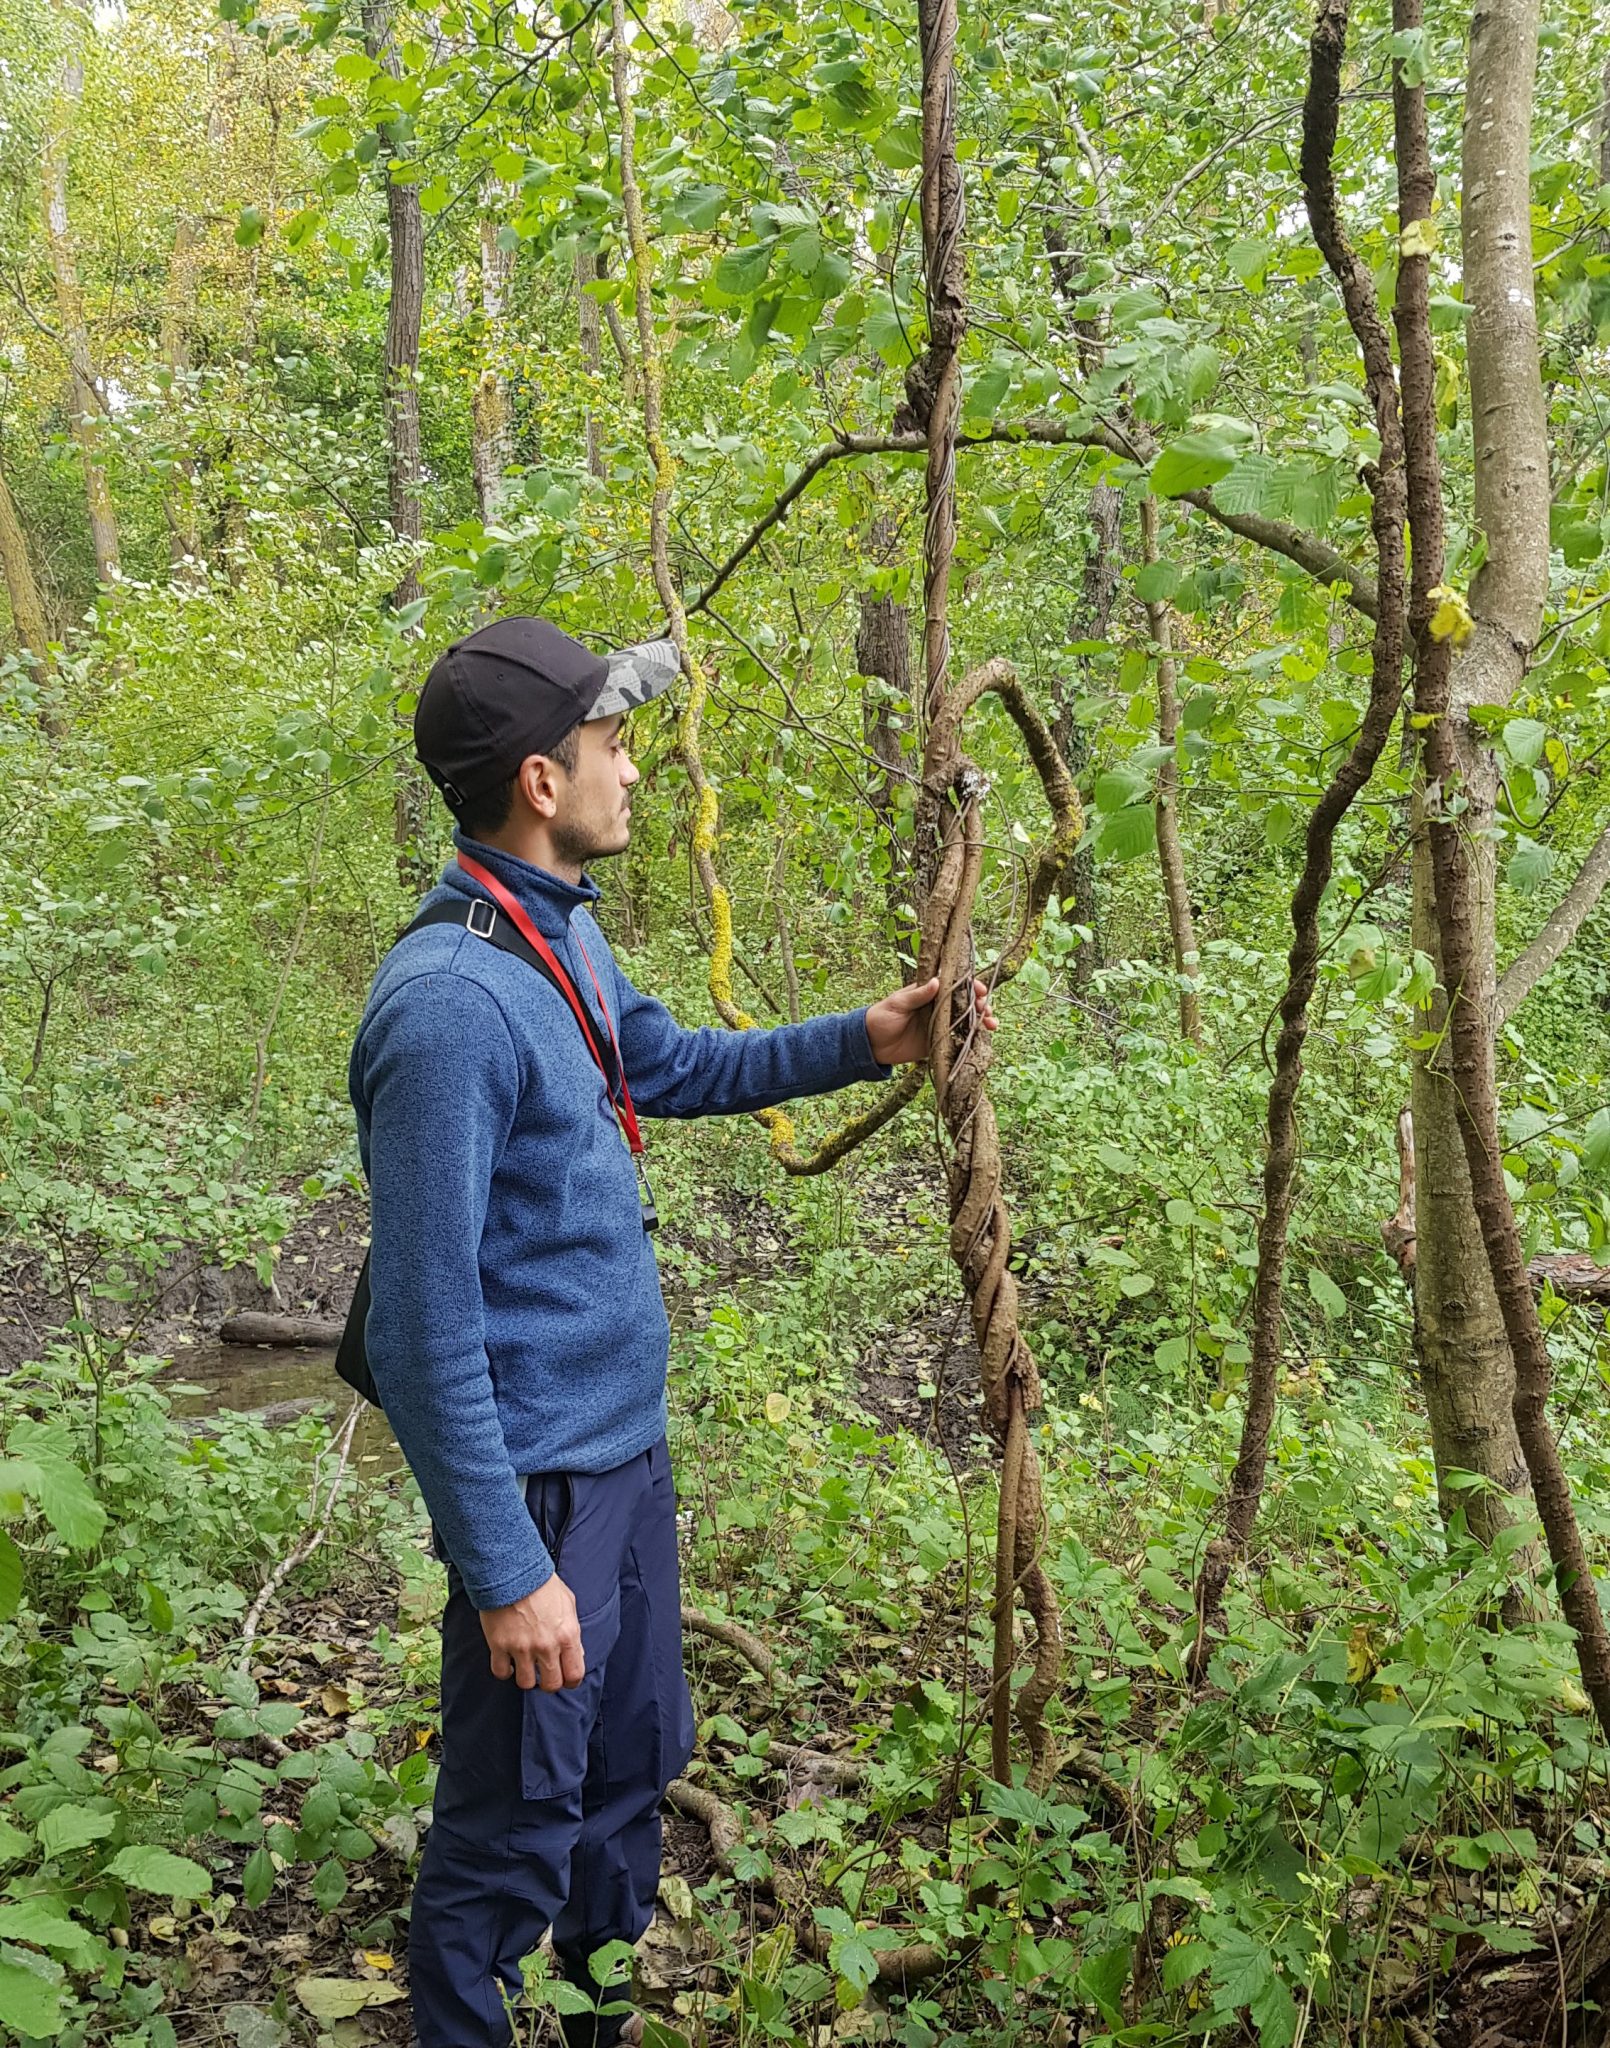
x: 10, y: 1577
x: 1250, y: 260
x: 1241, y: 1968
x: 1530, y: 865
x: 14, y: 1842
x: 1596, y: 1142
x: 47, y: 1924
x: 29, y: 2004
x: 1129, y: 833
x: 249, y: 227
x: 146, y: 1869
x: 1157, y: 582
x: 1323, y: 1288
x: 985, y: 393
x: 899, y: 146
x: 1192, y: 462
x: 329, y: 1885
x: 68, y: 1503
x: 257, y: 1879
x: 742, y: 271
x: 1524, y: 739
x: 1173, y: 1353
x: 1274, y: 2014
x: 1182, y: 1965
x: 1118, y: 787
x: 1102, y: 1978
x: 66, y: 1828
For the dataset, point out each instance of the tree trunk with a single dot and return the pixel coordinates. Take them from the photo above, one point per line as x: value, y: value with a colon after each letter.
x: 1103, y: 571
x: 492, y: 442
x: 22, y: 586
x: 590, y: 330
x: 178, y: 315
x: 883, y: 650
x: 1170, y: 853
x: 88, y: 411
x: 404, y: 312
x: 1466, y: 1360
x: 1466, y: 1374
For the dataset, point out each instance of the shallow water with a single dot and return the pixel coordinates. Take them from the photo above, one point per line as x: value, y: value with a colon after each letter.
x: 244, y: 1379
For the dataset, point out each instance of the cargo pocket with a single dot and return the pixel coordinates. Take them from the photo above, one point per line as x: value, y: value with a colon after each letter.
x: 557, y: 1727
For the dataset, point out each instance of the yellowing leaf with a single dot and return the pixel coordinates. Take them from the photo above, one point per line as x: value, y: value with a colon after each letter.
x: 377, y: 1959
x: 1419, y: 238
x: 340, y: 1998
x: 1361, y: 1658
x: 778, y: 1407
x: 335, y: 1699
x: 1451, y: 619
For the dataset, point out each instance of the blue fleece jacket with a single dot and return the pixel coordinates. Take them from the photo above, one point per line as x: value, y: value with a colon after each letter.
x: 517, y: 1324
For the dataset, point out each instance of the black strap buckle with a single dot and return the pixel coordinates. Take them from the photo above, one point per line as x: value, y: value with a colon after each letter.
x: 486, y: 911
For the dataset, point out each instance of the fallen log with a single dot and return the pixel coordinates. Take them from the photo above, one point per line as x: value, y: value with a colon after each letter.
x: 253, y: 1326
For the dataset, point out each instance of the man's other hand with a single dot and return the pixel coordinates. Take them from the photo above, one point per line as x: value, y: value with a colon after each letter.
x: 536, y: 1641
x: 897, y: 1028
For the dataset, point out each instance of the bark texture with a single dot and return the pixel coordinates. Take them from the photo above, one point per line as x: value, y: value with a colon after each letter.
x: 1170, y: 850
x: 22, y: 586
x: 1465, y: 1369
x: 84, y: 393
x: 1506, y: 601
x: 1327, y: 49
x: 1102, y: 574
x: 492, y: 415
x: 883, y: 652
x: 590, y: 331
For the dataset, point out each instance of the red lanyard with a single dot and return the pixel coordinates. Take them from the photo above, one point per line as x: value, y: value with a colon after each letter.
x: 515, y: 911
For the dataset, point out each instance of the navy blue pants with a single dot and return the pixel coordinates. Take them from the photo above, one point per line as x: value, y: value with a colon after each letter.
x: 547, y: 1810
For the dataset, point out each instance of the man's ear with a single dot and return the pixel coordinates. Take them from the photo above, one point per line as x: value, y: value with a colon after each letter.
x: 538, y: 781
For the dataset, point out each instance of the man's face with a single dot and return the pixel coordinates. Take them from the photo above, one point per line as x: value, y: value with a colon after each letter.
x: 594, y: 814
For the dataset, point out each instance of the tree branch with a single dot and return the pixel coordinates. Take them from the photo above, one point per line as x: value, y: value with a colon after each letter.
x: 1527, y: 969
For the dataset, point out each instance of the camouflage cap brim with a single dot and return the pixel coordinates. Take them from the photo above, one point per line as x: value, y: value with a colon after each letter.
x: 636, y: 676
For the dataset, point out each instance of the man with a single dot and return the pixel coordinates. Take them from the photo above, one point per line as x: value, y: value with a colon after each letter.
x: 517, y: 1334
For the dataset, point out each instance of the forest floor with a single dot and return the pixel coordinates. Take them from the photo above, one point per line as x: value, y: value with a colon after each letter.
x: 836, y: 1501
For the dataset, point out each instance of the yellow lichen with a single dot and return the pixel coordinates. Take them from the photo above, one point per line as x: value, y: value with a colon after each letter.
x: 704, y: 825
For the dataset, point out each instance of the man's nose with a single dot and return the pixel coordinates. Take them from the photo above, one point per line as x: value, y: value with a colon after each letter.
x: 630, y: 773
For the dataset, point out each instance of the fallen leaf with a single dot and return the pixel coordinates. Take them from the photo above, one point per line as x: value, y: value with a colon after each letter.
x: 676, y: 1896
x: 339, y: 1998
x: 377, y: 1959
x: 335, y: 1699
x: 250, y: 2027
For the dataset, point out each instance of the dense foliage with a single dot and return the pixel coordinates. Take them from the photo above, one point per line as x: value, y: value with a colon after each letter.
x: 210, y: 832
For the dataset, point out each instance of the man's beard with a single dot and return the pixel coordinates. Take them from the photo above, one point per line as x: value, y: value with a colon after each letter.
x: 579, y: 845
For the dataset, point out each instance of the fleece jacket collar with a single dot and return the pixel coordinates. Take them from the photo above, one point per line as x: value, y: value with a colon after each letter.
x: 548, y: 901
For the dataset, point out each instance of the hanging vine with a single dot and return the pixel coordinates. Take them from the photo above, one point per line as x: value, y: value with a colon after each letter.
x: 949, y: 840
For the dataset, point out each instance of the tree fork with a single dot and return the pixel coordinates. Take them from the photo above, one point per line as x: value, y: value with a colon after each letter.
x: 1387, y: 504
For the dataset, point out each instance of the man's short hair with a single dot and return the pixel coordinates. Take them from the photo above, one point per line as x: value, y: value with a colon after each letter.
x: 489, y: 812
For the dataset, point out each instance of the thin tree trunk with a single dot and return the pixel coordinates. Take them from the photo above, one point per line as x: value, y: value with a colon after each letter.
x: 1321, y: 104
x: 1170, y: 853
x: 88, y: 410
x: 178, y: 316
x: 1510, y: 431
x: 403, y: 476
x: 590, y: 329
x: 883, y: 650
x: 492, y: 432
x: 1103, y: 572
x: 22, y: 586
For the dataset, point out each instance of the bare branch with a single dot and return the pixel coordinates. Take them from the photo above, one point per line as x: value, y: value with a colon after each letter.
x: 1577, y: 905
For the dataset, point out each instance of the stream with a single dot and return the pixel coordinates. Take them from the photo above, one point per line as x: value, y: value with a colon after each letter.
x: 212, y: 1378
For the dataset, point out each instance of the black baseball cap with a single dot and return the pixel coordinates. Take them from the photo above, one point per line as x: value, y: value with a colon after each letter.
x: 515, y: 688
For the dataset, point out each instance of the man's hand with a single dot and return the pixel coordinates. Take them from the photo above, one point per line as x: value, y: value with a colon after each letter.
x: 536, y: 1641
x: 897, y: 1028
